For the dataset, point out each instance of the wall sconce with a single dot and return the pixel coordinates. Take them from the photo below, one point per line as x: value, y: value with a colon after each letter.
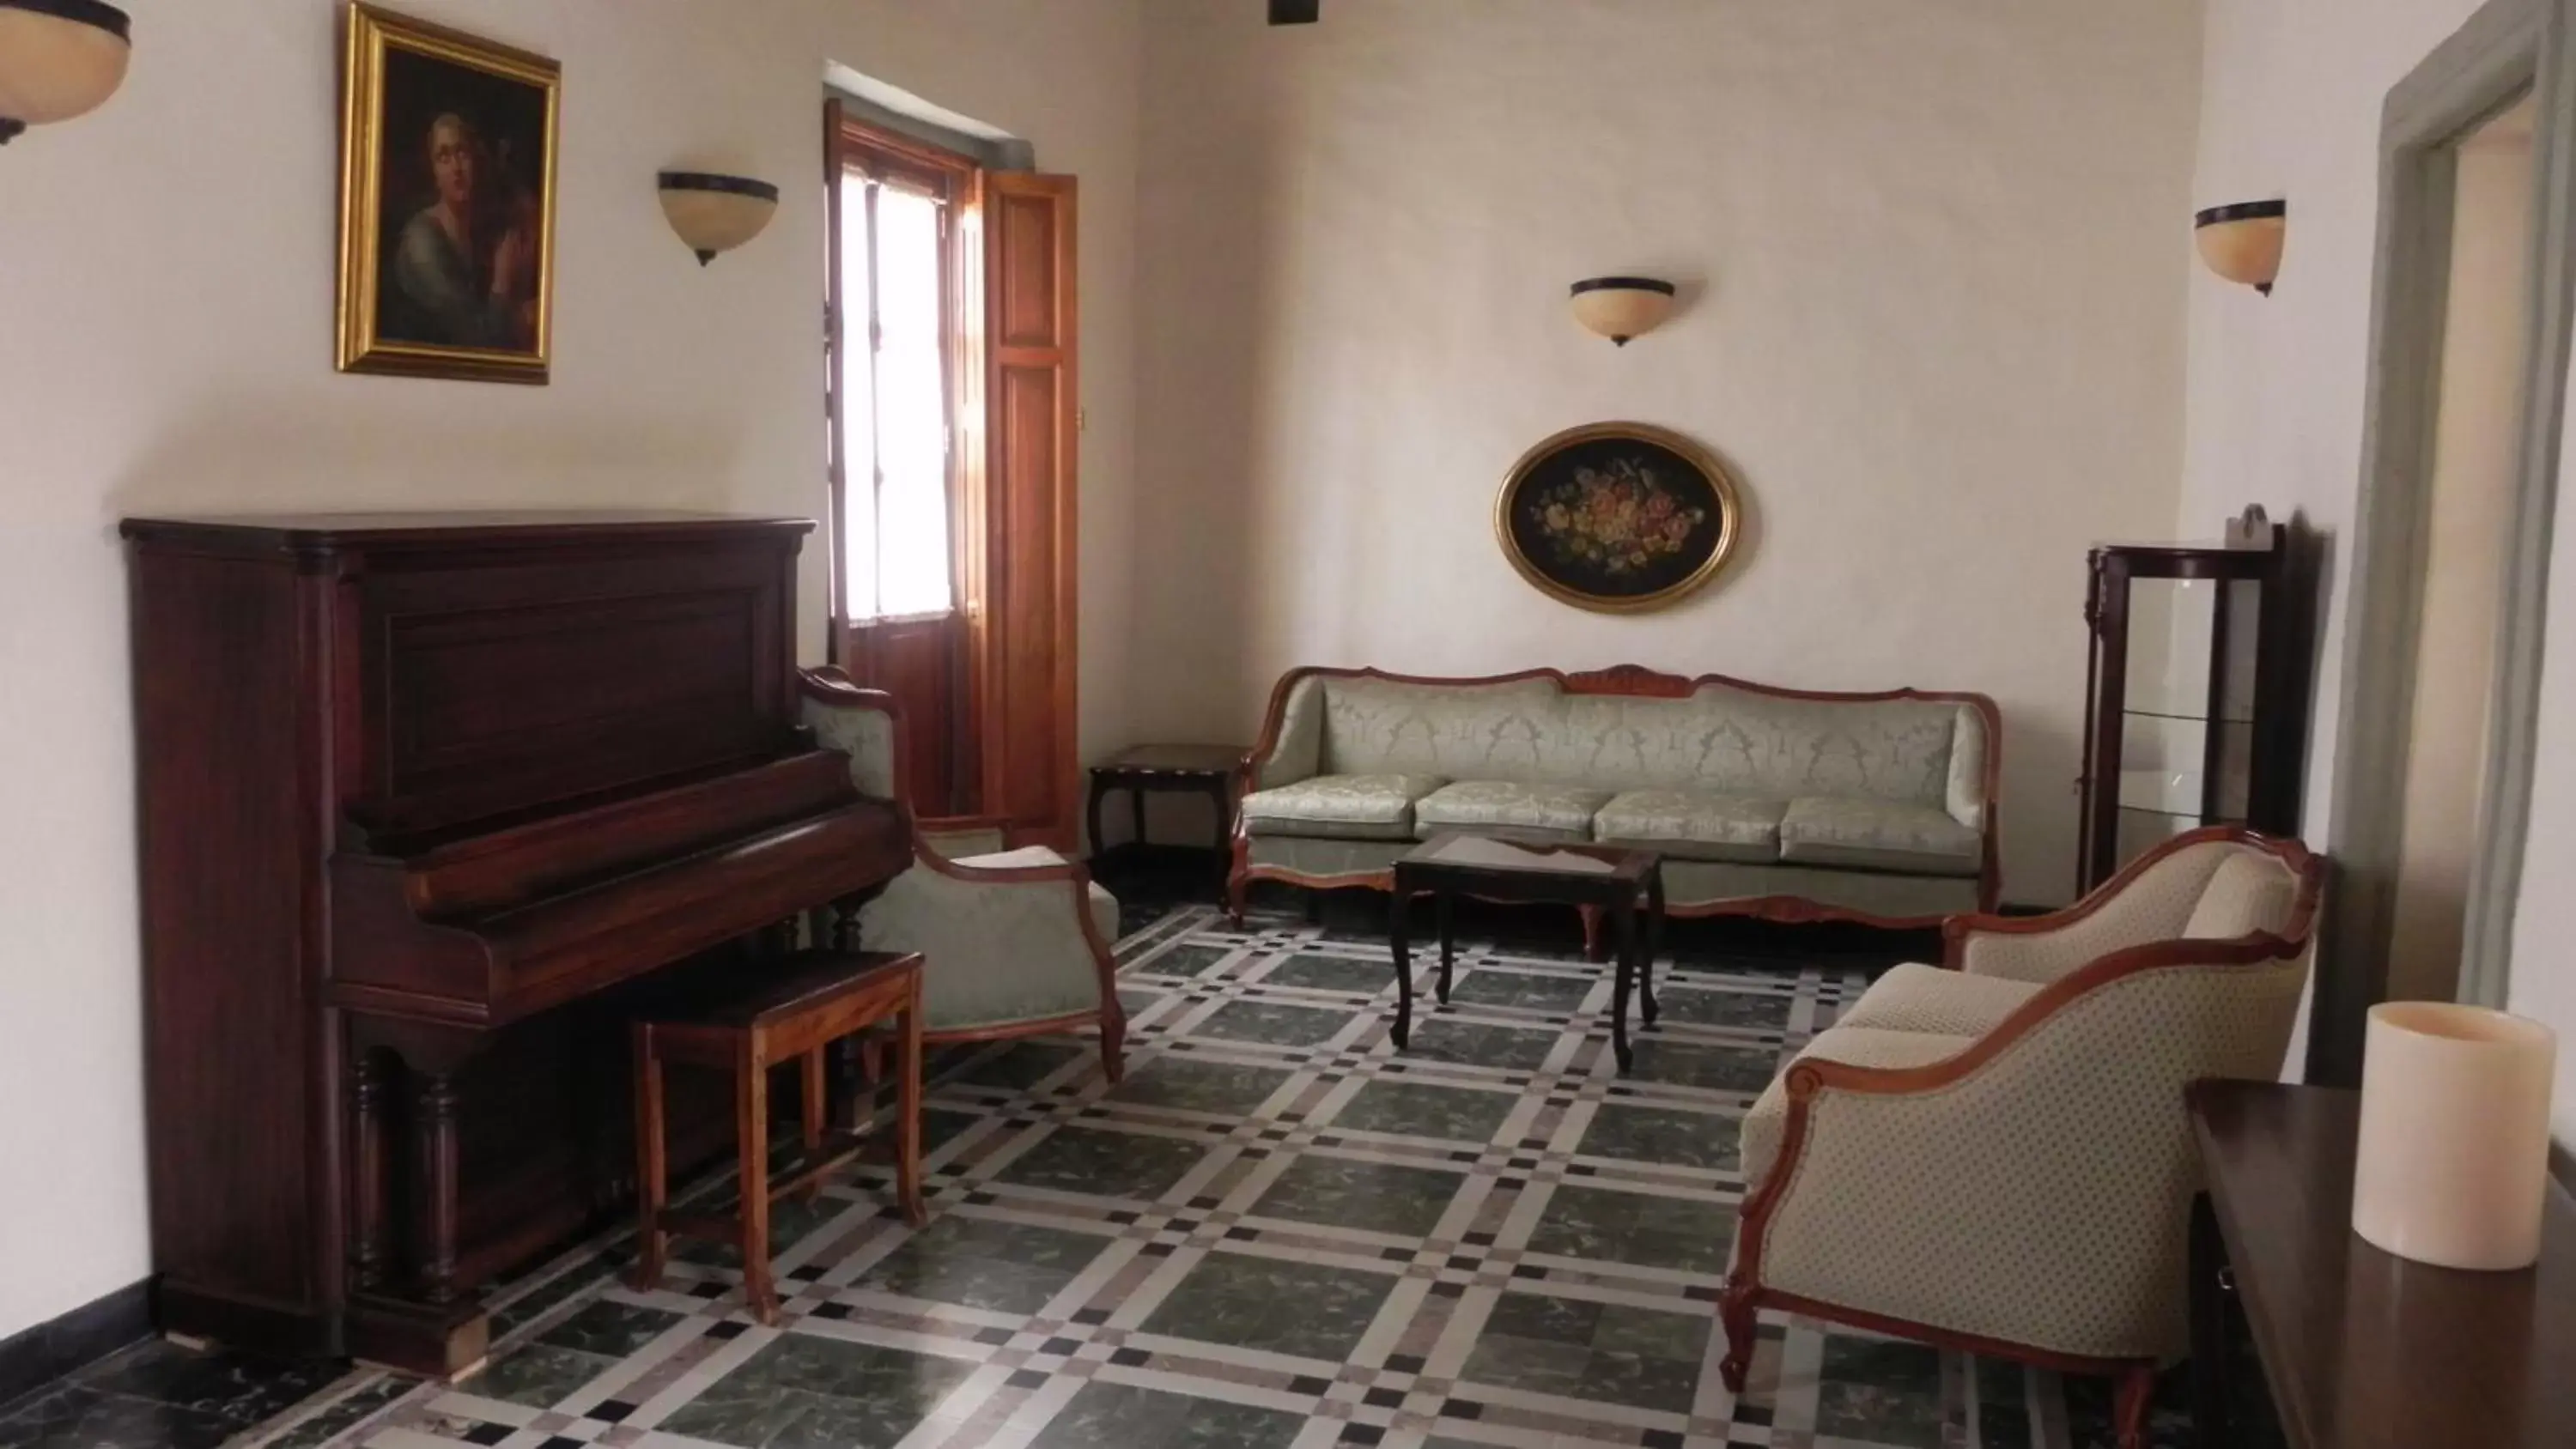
x: 1622, y: 307
x: 715, y: 213
x: 2242, y: 242
x: 58, y: 59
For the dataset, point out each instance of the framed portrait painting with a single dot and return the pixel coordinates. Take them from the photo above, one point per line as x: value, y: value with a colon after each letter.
x: 447, y: 203
x: 1619, y: 516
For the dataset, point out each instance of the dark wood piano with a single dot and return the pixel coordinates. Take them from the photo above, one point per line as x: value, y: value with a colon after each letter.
x: 429, y: 806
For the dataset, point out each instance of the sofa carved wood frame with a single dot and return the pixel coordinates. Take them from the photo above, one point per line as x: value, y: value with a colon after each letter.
x: 1636, y: 681
x: 1745, y: 1294
x: 827, y: 684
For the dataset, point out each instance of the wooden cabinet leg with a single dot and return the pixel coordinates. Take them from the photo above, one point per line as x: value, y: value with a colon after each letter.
x: 367, y: 1166
x: 652, y: 1171
x: 434, y: 1103
x: 751, y: 1123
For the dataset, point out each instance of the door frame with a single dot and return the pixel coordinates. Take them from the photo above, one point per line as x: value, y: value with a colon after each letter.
x: 2508, y: 48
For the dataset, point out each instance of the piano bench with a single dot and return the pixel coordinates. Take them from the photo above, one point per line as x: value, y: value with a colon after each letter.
x: 814, y: 999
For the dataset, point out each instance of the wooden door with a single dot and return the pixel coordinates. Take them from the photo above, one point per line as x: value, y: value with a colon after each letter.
x: 1022, y: 630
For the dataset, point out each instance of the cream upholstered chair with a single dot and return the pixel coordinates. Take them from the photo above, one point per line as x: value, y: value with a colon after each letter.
x: 1013, y: 942
x: 1993, y: 1155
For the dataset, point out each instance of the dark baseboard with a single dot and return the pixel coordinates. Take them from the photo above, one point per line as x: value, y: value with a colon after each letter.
x: 51, y: 1349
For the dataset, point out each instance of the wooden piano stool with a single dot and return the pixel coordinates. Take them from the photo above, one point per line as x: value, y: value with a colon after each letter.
x: 817, y: 998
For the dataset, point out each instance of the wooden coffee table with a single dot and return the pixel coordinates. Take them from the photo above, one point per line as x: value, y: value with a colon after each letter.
x: 1503, y: 866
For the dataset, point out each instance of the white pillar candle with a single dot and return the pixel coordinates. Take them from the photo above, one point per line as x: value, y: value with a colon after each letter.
x: 2453, y: 1163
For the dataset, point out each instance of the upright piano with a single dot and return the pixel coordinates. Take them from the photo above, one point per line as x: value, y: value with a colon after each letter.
x: 429, y: 806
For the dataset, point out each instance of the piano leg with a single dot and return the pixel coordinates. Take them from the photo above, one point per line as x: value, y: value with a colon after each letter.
x: 434, y: 1102
x: 366, y: 1169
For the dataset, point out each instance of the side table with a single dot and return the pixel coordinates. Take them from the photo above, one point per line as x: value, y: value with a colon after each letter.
x: 2361, y: 1349
x: 1208, y: 770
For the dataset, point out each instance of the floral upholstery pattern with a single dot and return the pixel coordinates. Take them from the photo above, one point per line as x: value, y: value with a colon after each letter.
x: 1367, y: 807
x: 1559, y: 810
x: 1694, y: 824
x: 1831, y: 830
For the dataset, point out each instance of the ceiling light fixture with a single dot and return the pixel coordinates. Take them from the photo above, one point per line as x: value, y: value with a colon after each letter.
x: 714, y: 213
x: 2242, y: 241
x: 1622, y: 307
x: 58, y: 59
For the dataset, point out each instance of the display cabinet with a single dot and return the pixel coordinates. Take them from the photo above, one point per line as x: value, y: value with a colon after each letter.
x: 2196, y: 692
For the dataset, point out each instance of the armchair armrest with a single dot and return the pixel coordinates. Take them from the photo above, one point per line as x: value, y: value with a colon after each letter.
x: 2039, y: 949
x: 1003, y: 944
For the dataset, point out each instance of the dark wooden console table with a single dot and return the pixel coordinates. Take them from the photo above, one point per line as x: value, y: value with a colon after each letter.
x: 2362, y: 1349
x: 1208, y: 770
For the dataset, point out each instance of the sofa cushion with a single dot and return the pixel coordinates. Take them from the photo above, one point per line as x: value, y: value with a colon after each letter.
x: 1861, y: 1046
x: 1878, y: 834
x: 1352, y: 807
x: 1926, y: 998
x: 1558, y: 810
x: 1694, y: 824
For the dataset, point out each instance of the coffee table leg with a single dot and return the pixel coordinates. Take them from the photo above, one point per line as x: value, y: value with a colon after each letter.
x: 1622, y: 975
x: 1654, y: 944
x: 1440, y: 909
x: 1395, y: 938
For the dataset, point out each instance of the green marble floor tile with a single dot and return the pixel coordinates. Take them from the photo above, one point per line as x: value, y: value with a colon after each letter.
x: 1375, y: 1196
x: 1479, y: 1044
x: 1332, y: 973
x: 1188, y: 959
x: 790, y: 1223
x: 1741, y: 1010
x: 1020, y: 1065
x: 538, y: 1375
x: 1199, y: 1085
x: 1526, y: 991
x: 1658, y: 1135
x: 803, y: 1391
x: 1608, y: 1225
x: 1274, y: 1022
x: 1880, y: 1390
x: 981, y: 1263
x: 1459, y: 1114
x: 1696, y: 1064
x: 941, y: 1126
x: 1120, y: 1416
x: 1109, y: 1164
x: 609, y: 1329
x: 1309, y: 1309
x: 1608, y: 1352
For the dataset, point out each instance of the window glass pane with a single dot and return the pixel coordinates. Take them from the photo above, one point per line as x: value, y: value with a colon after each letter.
x: 857, y: 390
x: 912, y: 424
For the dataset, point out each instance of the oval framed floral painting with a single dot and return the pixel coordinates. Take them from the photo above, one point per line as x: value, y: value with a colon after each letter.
x: 1618, y: 516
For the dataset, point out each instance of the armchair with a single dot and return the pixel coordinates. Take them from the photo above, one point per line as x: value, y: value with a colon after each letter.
x: 1013, y: 942
x: 1992, y: 1155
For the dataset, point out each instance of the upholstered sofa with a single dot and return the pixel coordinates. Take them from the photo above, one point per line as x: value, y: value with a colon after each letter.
x: 1790, y: 804
x: 1993, y: 1155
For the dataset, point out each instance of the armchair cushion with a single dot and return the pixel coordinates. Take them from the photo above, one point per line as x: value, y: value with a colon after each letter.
x: 1365, y: 807
x: 2247, y: 893
x: 1103, y: 905
x: 1694, y: 824
x: 1560, y: 810
x: 1861, y: 1046
x: 1878, y: 834
x: 1927, y: 998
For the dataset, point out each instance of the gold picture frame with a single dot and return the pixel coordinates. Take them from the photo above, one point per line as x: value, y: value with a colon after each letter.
x: 1619, y: 518
x: 448, y: 148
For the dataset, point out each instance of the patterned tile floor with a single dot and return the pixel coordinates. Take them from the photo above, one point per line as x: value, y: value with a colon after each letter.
x: 1275, y: 1232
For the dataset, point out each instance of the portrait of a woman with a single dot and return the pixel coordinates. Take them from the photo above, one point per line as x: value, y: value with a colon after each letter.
x: 446, y: 227
x: 465, y: 265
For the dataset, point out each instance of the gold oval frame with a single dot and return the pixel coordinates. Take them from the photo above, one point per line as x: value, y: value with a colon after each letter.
x: 1730, y: 495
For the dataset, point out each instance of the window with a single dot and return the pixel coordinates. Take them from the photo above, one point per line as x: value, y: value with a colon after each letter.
x: 893, y: 459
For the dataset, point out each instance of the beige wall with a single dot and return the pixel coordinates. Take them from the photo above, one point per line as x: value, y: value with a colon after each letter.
x: 166, y: 280
x: 2292, y: 91
x: 1933, y: 261
x: 2476, y: 447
